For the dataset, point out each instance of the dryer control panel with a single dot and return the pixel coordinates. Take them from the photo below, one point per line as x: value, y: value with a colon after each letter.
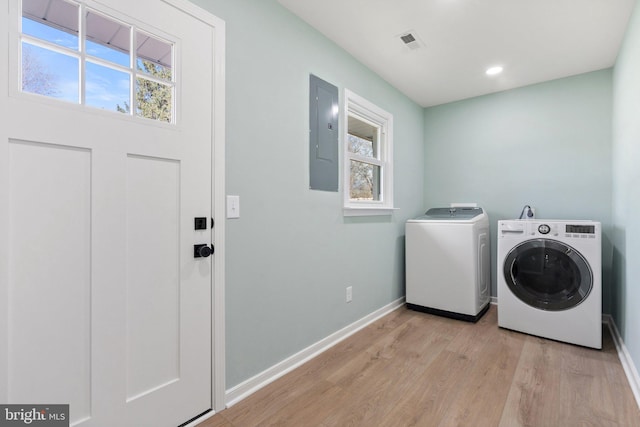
x: 551, y: 229
x: 544, y: 229
x: 581, y: 231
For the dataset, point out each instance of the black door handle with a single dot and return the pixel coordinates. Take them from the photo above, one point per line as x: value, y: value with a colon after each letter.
x: 202, y: 251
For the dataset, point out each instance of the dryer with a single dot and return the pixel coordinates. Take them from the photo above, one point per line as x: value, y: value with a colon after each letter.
x: 550, y: 279
x: 448, y: 263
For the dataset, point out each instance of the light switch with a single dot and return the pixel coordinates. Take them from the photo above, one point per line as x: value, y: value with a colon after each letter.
x: 233, y: 206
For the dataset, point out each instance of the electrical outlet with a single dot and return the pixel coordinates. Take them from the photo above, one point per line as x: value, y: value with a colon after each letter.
x: 349, y: 293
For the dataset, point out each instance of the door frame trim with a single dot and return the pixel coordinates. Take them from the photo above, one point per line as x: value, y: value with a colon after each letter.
x: 218, y: 186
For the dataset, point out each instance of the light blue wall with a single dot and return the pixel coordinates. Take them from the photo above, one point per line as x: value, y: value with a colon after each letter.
x: 546, y: 145
x: 292, y: 254
x: 626, y: 196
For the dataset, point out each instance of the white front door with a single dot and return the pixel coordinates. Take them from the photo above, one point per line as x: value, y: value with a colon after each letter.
x: 103, y: 304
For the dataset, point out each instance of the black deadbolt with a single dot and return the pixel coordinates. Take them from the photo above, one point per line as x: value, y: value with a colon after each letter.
x: 200, y: 223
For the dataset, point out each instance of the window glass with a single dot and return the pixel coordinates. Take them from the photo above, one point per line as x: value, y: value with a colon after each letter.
x: 154, y: 56
x: 49, y: 73
x: 107, y: 88
x: 360, y: 146
x: 364, y: 181
x: 154, y: 100
x: 108, y: 40
x: 55, y: 22
x: 156, y: 70
x: 363, y: 137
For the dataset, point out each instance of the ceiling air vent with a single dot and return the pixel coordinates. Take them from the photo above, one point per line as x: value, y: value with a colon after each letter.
x: 411, y: 40
x: 408, y: 38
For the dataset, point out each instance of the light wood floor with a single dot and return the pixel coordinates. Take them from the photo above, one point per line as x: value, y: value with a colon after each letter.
x: 415, y: 369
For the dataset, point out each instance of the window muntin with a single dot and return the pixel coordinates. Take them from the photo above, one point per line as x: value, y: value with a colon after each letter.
x: 75, y: 53
x: 368, y: 164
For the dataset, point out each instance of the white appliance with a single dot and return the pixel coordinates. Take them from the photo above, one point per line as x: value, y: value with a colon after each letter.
x: 448, y: 266
x: 550, y: 279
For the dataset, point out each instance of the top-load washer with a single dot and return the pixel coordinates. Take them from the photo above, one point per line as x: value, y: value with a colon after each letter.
x: 448, y: 267
x: 550, y: 279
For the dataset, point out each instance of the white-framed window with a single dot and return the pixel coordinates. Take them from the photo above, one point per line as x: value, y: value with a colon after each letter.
x: 75, y: 53
x: 368, y: 158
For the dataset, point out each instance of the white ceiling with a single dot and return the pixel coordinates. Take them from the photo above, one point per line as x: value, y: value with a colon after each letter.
x: 534, y: 40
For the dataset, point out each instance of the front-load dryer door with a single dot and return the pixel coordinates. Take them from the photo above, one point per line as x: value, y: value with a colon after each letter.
x: 548, y: 274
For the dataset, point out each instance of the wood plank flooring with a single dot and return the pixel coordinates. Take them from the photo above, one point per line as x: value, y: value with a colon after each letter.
x: 415, y: 369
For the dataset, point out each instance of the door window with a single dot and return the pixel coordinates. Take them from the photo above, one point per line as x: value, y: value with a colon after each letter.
x: 77, y: 54
x: 548, y: 274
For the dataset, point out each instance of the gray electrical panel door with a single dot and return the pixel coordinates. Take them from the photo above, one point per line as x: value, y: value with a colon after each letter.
x: 323, y: 135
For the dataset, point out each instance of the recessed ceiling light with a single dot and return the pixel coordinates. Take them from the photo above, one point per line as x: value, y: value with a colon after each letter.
x: 493, y: 71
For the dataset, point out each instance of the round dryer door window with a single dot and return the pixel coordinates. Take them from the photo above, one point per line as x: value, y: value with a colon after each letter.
x: 548, y: 274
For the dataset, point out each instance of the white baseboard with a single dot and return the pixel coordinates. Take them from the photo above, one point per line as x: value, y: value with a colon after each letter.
x: 244, y: 389
x: 625, y: 358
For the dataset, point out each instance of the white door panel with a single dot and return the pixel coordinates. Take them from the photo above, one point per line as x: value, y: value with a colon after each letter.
x: 50, y: 269
x: 107, y: 309
x: 153, y: 274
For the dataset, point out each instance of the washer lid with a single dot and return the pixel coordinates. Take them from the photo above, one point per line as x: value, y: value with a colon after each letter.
x: 453, y: 214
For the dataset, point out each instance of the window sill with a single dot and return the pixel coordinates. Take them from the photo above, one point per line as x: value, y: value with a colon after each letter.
x: 368, y: 211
